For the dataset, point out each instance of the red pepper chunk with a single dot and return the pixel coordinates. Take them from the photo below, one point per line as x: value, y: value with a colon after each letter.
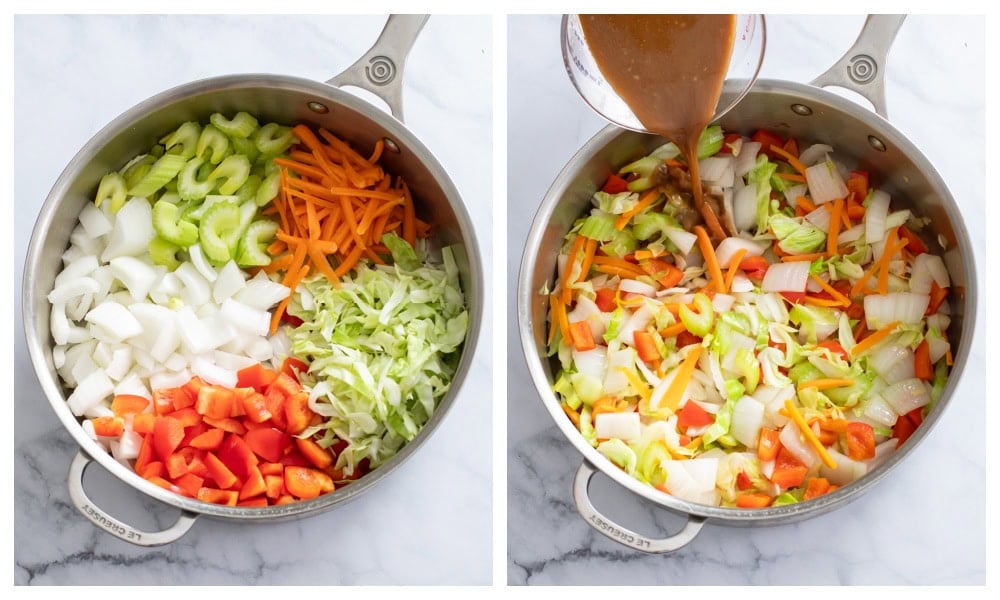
x: 860, y: 441
x: 693, y: 415
x: 615, y: 185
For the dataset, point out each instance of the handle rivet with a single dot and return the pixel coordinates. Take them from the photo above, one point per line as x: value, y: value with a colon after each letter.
x: 318, y: 107
x: 801, y: 109
x: 390, y: 145
x: 876, y: 143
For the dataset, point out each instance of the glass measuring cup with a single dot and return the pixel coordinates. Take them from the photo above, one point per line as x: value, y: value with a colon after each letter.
x: 744, y: 65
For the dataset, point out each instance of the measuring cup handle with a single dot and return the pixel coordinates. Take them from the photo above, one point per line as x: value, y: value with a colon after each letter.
x: 380, y: 70
x: 112, y: 525
x: 862, y: 68
x: 607, y: 527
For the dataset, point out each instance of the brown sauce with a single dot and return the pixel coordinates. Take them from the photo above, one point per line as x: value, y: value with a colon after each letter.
x: 669, y: 69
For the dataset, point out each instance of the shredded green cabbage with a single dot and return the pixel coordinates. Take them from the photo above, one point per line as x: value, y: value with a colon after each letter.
x: 382, y: 348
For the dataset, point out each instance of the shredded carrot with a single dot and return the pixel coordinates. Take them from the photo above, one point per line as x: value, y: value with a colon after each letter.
x: 640, y: 386
x: 334, y: 210
x: 831, y: 236
x: 807, y: 432
x: 829, y: 289
x: 567, y: 288
x: 711, y: 261
x: 673, y: 330
x: 621, y: 265
x: 805, y: 203
x: 734, y: 267
x: 823, y: 384
x: 791, y: 177
x: 796, y: 163
x: 589, y: 248
x: 802, y: 257
x: 672, y: 397
x: 874, y: 338
x: 647, y: 198
x: 572, y: 414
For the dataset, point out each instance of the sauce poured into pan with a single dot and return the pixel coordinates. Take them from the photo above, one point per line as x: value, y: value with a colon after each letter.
x: 669, y: 69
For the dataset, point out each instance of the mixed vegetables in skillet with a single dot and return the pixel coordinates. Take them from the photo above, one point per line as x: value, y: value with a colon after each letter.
x: 254, y: 314
x: 766, y: 367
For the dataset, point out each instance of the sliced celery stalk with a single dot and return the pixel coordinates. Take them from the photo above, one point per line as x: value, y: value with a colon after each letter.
x: 252, y: 246
x: 240, y: 126
x: 218, y: 220
x: 112, y: 186
x: 184, y: 140
x: 273, y: 139
x: 170, y: 228
x: 268, y: 189
x: 164, y: 253
x: 189, y: 187
x: 216, y: 141
x: 248, y: 191
x: 235, y: 169
x: 162, y: 171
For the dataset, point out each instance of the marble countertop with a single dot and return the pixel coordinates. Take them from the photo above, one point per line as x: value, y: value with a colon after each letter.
x: 429, y: 522
x: 924, y: 524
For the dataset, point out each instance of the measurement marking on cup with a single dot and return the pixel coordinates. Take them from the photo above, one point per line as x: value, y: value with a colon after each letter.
x: 624, y: 536
x: 106, y: 522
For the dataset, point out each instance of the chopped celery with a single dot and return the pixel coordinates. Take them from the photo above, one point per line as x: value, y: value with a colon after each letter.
x: 137, y: 169
x: 268, y: 189
x: 599, y: 226
x: 248, y: 191
x: 710, y: 141
x: 273, y: 139
x: 163, y: 170
x: 784, y: 498
x: 220, y: 219
x: 623, y: 243
x: 616, y: 204
x: 235, y: 170
x: 183, y: 141
x: 239, y: 127
x: 246, y: 147
x: 214, y: 140
x: 251, y: 251
x: 189, y: 186
x: 170, y: 228
x: 164, y: 253
x: 112, y: 187
x: 699, y: 323
x: 650, y: 464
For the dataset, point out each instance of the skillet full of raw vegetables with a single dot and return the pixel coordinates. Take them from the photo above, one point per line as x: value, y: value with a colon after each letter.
x: 768, y: 367
x: 253, y: 314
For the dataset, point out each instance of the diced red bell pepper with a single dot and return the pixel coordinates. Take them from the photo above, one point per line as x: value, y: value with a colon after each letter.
x: 615, y: 185
x: 816, y: 487
x: 215, y: 402
x: 755, y: 267
x: 292, y: 367
x: 254, y: 485
x: 297, y: 412
x: 743, y: 481
x: 229, y: 425
x: 256, y: 376
x: 913, y: 242
x: 305, y: 483
x: 167, y: 435
x: 188, y: 417
x: 176, y: 465
x: 143, y: 423
x: 767, y: 139
x: 274, y: 485
x: 236, y: 454
x: 860, y: 439
x: 693, y: 415
x: 268, y: 443
x: 605, y: 299
x: 753, y: 500
x: 190, y: 483
x: 314, y: 453
x: 108, y: 426
x: 645, y: 346
x: 728, y: 141
x: 255, y: 407
x: 583, y: 338
x: 128, y: 404
x: 217, y: 496
x: 210, y: 439
x: 857, y: 184
x: 665, y: 273
x: 686, y: 338
x: 221, y: 474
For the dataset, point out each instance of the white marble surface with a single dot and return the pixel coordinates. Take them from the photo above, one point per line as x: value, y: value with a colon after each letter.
x: 428, y: 522
x: 924, y: 524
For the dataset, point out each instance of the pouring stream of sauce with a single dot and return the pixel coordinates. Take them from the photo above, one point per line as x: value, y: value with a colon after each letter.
x: 669, y: 69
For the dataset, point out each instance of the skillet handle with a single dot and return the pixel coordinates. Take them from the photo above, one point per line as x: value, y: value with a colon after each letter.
x: 112, y: 525
x: 605, y: 526
x: 862, y: 68
x: 380, y: 70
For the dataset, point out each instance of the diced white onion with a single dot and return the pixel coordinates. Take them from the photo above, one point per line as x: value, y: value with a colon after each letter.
x: 847, y: 469
x: 586, y: 310
x: 132, y: 232
x: 169, y: 379
x: 748, y: 418
x: 906, y: 395
x: 621, y: 425
x: 815, y: 153
x: 851, y: 234
x: 746, y: 159
x: 728, y: 248
x: 745, y: 208
x: 196, y: 290
x: 684, y: 240
x: 793, y: 441
x: 786, y: 277
x: 614, y: 378
x: 905, y: 307
x: 201, y: 263
x: 825, y: 182
x: 90, y: 392
x: 592, y: 362
x: 717, y: 170
x: 937, y: 347
x: 722, y: 302
x: 94, y: 221
x: 115, y: 319
x: 741, y: 284
x: 928, y: 268
x: 262, y: 293
x: 246, y: 318
x: 820, y: 217
x: 879, y: 411
x: 634, y: 286
x: 137, y: 276
x: 213, y: 373
x: 875, y: 214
